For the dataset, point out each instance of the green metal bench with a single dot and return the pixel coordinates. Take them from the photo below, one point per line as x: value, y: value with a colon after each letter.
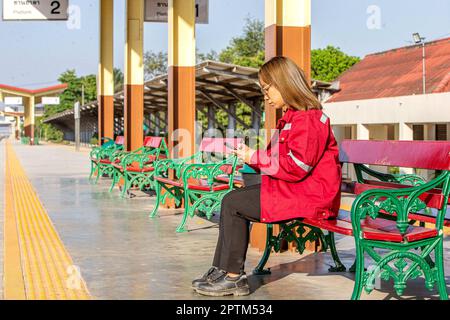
x: 137, y: 168
x: 192, y: 180
x: 103, y: 153
x: 383, y: 216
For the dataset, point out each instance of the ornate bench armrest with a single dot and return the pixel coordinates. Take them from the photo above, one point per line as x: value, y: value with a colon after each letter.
x: 210, y: 171
x: 398, y: 202
x: 163, y: 165
x: 403, y: 178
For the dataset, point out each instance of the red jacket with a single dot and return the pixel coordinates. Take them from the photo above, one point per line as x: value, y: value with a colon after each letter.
x: 301, y: 173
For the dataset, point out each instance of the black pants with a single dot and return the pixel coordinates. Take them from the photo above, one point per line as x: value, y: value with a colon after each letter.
x: 239, y: 207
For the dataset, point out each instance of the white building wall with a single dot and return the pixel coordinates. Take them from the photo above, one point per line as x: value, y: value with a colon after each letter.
x: 369, y: 119
x: 417, y: 109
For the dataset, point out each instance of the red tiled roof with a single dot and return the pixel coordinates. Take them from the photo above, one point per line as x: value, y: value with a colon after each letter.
x: 36, y: 91
x: 397, y: 72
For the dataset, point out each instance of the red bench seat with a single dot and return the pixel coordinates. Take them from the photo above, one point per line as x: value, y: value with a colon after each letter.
x: 379, y: 229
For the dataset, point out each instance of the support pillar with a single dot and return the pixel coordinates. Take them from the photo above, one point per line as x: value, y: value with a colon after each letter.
x: 105, y: 87
x: 29, y: 118
x: 134, y: 75
x: 287, y: 33
x: 17, y: 128
x: 256, y: 119
x: 430, y: 131
x: 362, y: 132
x: 405, y: 132
x: 157, y: 123
x: 181, y: 84
x: 231, y: 120
x: 429, y: 135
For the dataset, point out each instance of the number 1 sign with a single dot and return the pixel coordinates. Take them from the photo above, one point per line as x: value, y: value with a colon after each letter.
x: 35, y: 9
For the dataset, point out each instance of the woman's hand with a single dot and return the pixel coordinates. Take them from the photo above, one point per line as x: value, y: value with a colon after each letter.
x: 244, y: 152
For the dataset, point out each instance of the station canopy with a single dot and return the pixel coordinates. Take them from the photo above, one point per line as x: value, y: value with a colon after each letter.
x: 217, y: 83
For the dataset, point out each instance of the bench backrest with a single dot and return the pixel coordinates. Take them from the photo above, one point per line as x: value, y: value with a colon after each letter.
x: 431, y: 155
x: 152, y: 142
x: 218, y: 145
x: 120, y: 140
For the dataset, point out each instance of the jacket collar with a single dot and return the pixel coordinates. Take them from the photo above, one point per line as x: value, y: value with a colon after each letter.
x: 286, y: 117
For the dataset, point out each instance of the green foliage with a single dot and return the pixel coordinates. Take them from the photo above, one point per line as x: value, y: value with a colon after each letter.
x: 73, y: 92
x: 248, y: 49
x: 212, y: 55
x: 89, y: 83
x: 94, y: 141
x: 155, y: 64
x: 51, y: 133
x: 118, y: 80
x: 328, y: 63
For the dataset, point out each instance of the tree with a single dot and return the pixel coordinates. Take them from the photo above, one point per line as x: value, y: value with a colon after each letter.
x: 155, y: 64
x: 328, y: 63
x: 248, y: 49
x: 212, y: 55
x: 89, y: 83
x: 73, y: 92
x: 118, y: 80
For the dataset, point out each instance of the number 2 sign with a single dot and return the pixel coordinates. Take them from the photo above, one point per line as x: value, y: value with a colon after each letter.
x: 35, y: 9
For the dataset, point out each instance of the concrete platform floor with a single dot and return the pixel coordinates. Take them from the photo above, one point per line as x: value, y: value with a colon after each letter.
x: 122, y: 254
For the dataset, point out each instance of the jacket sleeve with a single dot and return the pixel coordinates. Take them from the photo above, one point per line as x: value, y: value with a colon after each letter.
x: 306, y: 143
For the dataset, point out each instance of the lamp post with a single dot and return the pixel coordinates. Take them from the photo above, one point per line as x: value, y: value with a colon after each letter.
x: 420, y: 40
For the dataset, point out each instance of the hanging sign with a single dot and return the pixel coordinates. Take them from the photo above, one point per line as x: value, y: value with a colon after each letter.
x: 50, y: 100
x: 157, y: 11
x: 35, y: 9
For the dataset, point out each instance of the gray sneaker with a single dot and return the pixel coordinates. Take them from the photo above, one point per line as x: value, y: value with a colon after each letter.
x: 206, y: 277
x: 221, y: 285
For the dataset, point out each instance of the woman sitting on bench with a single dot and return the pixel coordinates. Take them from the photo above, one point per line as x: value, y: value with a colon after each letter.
x: 301, y: 176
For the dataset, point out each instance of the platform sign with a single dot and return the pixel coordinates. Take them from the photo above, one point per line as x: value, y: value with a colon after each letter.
x: 13, y: 101
x: 50, y: 100
x: 35, y: 9
x: 157, y: 11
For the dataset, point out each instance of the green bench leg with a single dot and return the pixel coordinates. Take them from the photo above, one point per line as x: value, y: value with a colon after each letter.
x: 259, y: 270
x: 359, y: 269
x: 92, y: 170
x: 99, y: 173
x: 187, y: 211
x: 114, y: 180
x: 442, y: 287
x: 124, y: 190
x: 339, y: 266
x: 158, y: 188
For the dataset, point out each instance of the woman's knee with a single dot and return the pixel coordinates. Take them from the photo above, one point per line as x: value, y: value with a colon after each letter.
x: 228, y: 200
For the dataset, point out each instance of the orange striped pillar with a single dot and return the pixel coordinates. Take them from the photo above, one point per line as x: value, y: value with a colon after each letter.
x: 29, y: 118
x: 134, y: 75
x: 105, y: 71
x: 287, y: 33
x: 181, y: 84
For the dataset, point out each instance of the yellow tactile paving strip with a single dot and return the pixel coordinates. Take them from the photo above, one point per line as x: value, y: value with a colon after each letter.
x: 37, y: 265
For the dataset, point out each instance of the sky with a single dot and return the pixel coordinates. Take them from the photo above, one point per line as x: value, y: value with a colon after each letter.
x: 34, y: 53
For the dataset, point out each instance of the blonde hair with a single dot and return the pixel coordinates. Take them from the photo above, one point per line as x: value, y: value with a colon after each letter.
x: 290, y: 81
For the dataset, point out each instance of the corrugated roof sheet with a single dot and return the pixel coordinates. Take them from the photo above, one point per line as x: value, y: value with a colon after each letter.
x: 397, y: 72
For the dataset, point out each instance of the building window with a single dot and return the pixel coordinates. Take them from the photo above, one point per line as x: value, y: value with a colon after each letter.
x: 441, y: 132
x: 418, y: 132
